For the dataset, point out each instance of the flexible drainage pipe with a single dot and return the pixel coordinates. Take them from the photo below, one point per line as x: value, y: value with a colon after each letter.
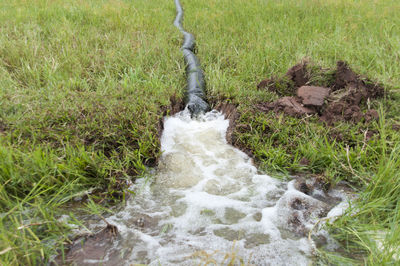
x: 195, y: 88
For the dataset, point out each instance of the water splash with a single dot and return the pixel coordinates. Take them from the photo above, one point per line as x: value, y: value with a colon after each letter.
x: 207, y: 202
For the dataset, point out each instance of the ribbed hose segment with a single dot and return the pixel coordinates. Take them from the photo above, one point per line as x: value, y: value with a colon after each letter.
x: 195, y: 88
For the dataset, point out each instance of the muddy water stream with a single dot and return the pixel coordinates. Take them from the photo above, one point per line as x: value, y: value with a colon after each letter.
x: 208, y: 203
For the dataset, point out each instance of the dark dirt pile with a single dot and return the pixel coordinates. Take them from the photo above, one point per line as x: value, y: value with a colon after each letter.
x: 332, y: 94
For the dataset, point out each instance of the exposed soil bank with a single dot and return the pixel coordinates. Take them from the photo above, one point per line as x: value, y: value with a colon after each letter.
x: 332, y: 94
x: 231, y: 113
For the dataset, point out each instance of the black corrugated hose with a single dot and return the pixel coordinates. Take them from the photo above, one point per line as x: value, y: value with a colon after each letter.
x: 195, y: 88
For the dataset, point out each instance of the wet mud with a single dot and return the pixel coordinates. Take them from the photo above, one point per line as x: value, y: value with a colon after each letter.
x: 333, y: 95
x: 89, y: 249
x: 206, y: 197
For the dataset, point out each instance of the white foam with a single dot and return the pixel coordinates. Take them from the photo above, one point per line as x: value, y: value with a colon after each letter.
x: 207, y: 198
x: 337, y: 211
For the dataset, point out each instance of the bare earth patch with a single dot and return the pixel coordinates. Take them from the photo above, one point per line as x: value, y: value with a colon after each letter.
x: 332, y: 94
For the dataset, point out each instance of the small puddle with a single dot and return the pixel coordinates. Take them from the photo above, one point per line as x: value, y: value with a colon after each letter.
x: 207, y: 203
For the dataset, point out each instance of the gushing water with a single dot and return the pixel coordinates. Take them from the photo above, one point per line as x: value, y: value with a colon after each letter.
x: 208, y: 203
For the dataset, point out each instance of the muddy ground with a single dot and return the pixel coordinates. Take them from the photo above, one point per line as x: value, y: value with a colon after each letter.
x: 88, y: 249
x: 333, y: 95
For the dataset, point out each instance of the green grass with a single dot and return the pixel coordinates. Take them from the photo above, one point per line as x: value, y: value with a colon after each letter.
x: 83, y: 85
x: 242, y: 43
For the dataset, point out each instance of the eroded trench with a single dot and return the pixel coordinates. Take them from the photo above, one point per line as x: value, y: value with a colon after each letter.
x: 206, y: 203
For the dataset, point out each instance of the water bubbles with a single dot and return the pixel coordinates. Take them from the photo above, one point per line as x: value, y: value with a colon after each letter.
x: 206, y: 197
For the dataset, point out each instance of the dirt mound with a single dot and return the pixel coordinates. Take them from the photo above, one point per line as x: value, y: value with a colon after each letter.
x: 332, y: 94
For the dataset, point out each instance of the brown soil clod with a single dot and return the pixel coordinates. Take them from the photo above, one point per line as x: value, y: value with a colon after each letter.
x: 299, y: 74
x: 345, y: 76
x: 313, y: 95
x: 340, y: 99
x: 289, y: 105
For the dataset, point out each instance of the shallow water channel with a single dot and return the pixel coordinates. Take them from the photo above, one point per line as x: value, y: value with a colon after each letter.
x: 207, y: 203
